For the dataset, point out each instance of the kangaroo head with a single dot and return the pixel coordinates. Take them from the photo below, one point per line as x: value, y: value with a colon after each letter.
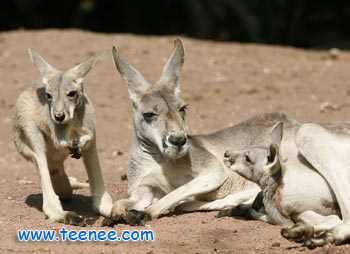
x: 257, y: 161
x: 63, y: 90
x: 158, y: 111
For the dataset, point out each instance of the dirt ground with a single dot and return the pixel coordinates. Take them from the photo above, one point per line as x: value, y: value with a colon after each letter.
x: 223, y: 83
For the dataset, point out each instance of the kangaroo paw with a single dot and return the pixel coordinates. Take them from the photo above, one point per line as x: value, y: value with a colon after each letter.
x: 137, y: 218
x: 72, y: 218
x: 75, y: 149
x: 298, y: 233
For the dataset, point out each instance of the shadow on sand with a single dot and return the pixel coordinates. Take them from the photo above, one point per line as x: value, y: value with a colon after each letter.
x: 79, y: 204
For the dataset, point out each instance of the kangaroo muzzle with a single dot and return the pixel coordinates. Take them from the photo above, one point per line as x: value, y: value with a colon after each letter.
x: 175, y: 145
x: 178, y: 141
x: 59, y: 116
x: 230, y: 158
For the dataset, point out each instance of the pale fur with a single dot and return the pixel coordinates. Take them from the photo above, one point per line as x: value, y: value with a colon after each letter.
x: 327, y: 149
x: 44, y: 141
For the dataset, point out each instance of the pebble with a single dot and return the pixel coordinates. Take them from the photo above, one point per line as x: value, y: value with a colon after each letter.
x: 328, y: 105
x: 313, y: 97
x: 24, y: 181
x: 266, y: 70
x: 117, y: 153
x: 276, y: 244
x: 328, y: 63
x: 334, y: 53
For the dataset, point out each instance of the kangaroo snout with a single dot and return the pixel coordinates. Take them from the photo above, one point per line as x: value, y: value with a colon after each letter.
x: 59, y: 116
x: 177, y: 140
x: 230, y: 158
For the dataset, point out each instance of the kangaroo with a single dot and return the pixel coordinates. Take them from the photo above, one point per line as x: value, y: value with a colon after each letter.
x: 312, y: 206
x: 54, y: 119
x: 168, y: 167
x: 261, y: 165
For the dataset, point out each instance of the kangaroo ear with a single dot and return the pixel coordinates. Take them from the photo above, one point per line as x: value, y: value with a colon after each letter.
x: 169, y: 79
x: 137, y: 84
x: 276, y: 134
x: 273, y: 159
x: 78, y: 72
x: 39, y: 62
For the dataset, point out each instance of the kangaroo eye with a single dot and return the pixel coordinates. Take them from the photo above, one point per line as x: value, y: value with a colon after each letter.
x: 149, y: 115
x: 247, y: 159
x: 72, y: 94
x: 48, y: 96
x: 183, y: 109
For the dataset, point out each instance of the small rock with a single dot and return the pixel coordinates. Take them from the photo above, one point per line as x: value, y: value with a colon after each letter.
x: 334, y: 53
x: 24, y: 181
x: 328, y: 63
x: 313, y: 97
x: 266, y: 70
x: 9, y: 198
x: 328, y: 105
x: 6, y: 54
x: 117, y: 153
x: 124, y: 177
x: 276, y: 244
x: 212, y: 62
x: 219, y: 79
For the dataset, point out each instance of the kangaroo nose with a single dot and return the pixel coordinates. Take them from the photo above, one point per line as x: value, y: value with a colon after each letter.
x: 227, y: 154
x: 177, y: 140
x: 59, y: 116
x: 230, y: 156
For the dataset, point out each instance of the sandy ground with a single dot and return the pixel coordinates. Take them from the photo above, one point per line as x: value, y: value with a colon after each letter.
x: 223, y: 83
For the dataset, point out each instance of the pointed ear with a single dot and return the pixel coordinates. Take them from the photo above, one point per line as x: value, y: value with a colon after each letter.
x: 137, y: 85
x: 169, y: 79
x: 276, y: 134
x: 39, y: 62
x: 78, y: 72
x: 273, y: 159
